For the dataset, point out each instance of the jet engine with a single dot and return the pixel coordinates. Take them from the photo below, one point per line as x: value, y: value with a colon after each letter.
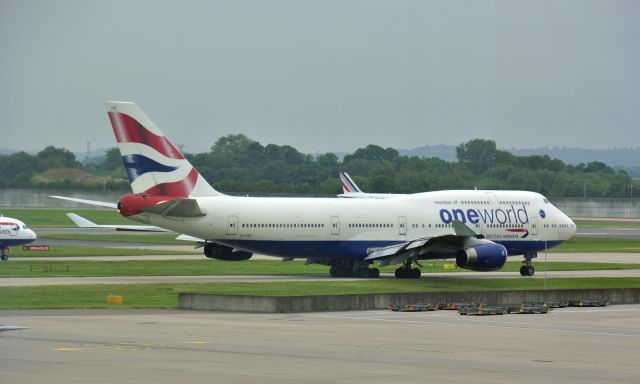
x: 482, y: 257
x: 220, y: 252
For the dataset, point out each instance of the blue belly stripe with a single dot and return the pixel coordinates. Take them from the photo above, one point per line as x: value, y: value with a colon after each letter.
x: 357, y: 250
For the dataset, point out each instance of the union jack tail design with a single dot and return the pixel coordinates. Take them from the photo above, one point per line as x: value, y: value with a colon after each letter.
x: 154, y: 165
x: 348, y: 185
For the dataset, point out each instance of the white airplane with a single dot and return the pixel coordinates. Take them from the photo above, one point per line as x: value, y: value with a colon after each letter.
x: 13, y: 232
x: 477, y: 228
x: 351, y: 190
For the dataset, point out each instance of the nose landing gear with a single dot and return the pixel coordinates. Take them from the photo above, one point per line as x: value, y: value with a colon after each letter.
x: 527, y: 269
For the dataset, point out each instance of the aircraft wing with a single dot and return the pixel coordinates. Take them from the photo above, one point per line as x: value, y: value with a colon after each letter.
x: 85, y: 201
x: 413, y: 249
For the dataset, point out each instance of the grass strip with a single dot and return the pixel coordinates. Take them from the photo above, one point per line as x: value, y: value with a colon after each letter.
x: 168, y: 239
x: 599, y: 244
x: 56, y: 217
x: 75, y: 251
x: 165, y: 295
x: 251, y: 267
x: 608, y: 224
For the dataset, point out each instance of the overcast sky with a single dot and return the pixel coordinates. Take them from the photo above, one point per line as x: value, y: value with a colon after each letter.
x: 323, y: 75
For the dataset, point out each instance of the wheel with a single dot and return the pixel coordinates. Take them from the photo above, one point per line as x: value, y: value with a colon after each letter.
x: 530, y: 270
x: 4, y: 257
x: 333, y: 271
x: 415, y: 273
x: 374, y: 272
x: 523, y: 271
x: 402, y: 273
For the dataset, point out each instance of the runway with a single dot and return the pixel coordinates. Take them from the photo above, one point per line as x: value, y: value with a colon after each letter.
x: 571, y: 345
x: 42, y: 281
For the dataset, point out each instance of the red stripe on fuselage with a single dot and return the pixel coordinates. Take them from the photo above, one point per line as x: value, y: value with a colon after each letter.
x: 129, y: 130
x: 180, y: 188
x: 517, y: 230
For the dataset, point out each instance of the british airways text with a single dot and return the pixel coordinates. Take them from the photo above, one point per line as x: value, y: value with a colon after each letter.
x: 511, y: 215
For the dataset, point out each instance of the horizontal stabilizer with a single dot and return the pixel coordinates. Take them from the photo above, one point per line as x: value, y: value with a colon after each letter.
x: 190, y: 238
x: 86, y: 223
x: 176, y: 208
x: 90, y: 202
x: 81, y: 221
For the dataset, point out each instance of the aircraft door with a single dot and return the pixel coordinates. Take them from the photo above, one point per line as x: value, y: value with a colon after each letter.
x: 335, y: 225
x: 534, y: 225
x: 232, y: 227
x: 402, y: 225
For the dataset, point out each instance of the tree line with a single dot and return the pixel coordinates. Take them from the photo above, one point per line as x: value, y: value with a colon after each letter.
x: 238, y: 164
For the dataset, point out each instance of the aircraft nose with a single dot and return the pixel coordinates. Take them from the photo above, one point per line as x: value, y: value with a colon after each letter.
x: 569, y: 227
x: 31, y: 235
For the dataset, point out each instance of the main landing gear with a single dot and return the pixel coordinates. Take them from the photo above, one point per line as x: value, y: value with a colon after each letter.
x: 4, y: 255
x: 527, y: 269
x: 406, y: 272
x: 353, y: 269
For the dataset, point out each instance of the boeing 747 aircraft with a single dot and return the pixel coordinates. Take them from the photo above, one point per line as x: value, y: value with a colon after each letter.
x: 479, y: 229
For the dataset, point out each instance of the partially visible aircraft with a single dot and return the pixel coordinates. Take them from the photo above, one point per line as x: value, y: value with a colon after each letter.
x: 4, y: 328
x: 351, y: 190
x: 13, y: 232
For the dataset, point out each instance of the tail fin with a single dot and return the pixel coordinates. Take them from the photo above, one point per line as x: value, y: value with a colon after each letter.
x: 348, y: 185
x: 154, y: 165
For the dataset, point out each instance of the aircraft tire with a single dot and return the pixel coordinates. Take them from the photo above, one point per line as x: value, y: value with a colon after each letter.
x: 415, y: 273
x: 374, y: 273
x: 4, y: 257
x: 530, y: 270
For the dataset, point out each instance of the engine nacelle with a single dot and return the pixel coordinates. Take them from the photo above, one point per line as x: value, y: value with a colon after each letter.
x: 220, y: 252
x: 482, y: 257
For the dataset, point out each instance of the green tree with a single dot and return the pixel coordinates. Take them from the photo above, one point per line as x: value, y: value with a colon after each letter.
x: 477, y: 155
x: 52, y: 157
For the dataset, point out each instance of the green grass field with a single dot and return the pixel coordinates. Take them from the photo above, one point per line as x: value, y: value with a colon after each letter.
x: 129, y: 237
x: 250, y: 267
x: 604, y: 223
x: 599, y: 244
x: 55, y: 217
x: 165, y: 295
x: 75, y: 251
